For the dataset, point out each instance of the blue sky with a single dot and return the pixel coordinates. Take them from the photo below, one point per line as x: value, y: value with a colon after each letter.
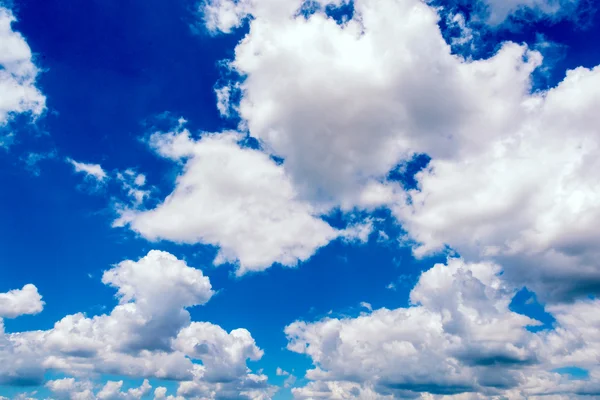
x: 286, y: 199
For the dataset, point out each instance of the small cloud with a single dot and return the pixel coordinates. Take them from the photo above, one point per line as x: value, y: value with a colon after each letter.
x: 32, y: 160
x: 140, y: 180
x: 404, y: 280
x: 358, y: 232
x: 6, y: 140
x: 281, y: 372
x: 382, y: 236
x: 132, y: 184
x: 91, y: 171
x: 289, y: 382
x: 223, y: 95
x: 530, y: 300
x: 366, y: 305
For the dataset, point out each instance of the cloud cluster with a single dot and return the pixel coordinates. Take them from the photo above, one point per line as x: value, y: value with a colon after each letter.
x: 345, y: 103
x: 149, y: 334
x: 336, y: 106
x: 458, y: 337
x: 18, y: 73
x: 510, y: 187
x: 71, y: 389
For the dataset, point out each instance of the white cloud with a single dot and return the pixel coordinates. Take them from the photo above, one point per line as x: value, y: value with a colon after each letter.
x: 509, y: 180
x: 458, y: 338
x: 281, y: 372
x: 343, y: 109
x: 133, y: 184
x: 21, y: 302
x: 224, y: 15
x: 496, y: 12
x: 289, y: 381
x: 223, y: 354
x: 71, y: 389
x: 149, y: 334
x: 223, y: 100
x: 18, y: 93
x: 235, y: 198
x: 336, y: 390
x: 528, y: 199
x: 91, y: 171
x: 112, y: 391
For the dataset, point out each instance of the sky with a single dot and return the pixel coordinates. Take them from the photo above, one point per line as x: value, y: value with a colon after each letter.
x: 299, y: 199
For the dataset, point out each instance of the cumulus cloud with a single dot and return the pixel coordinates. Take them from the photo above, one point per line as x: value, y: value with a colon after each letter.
x: 18, y: 73
x: 343, y: 109
x: 224, y: 15
x: 337, y: 390
x: 149, y: 334
x: 235, y: 198
x: 458, y: 337
x: 112, y: 391
x: 71, y: 389
x: 528, y: 199
x: 344, y: 103
x: 21, y: 302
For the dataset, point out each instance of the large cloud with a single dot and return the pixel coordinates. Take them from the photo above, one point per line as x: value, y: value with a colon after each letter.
x: 511, y: 183
x: 18, y: 93
x: 344, y: 103
x: 458, y: 337
x: 148, y: 335
x: 235, y: 198
x: 528, y: 199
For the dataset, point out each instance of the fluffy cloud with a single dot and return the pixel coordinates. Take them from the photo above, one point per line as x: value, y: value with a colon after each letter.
x: 459, y: 336
x: 18, y: 93
x: 235, y: 198
x: 147, y: 335
x: 450, y: 342
x: 343, y: 109
x: 71, y: 389
x: 223, y: 354
x: 20, y: 302
x: 336, y: 390
x: 510, y: 182
x: 529, y: 199
x: 112, y: 391
x: 344, y: 103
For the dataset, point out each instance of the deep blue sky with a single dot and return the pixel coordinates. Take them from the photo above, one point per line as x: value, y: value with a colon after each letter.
x: 110, y: 67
